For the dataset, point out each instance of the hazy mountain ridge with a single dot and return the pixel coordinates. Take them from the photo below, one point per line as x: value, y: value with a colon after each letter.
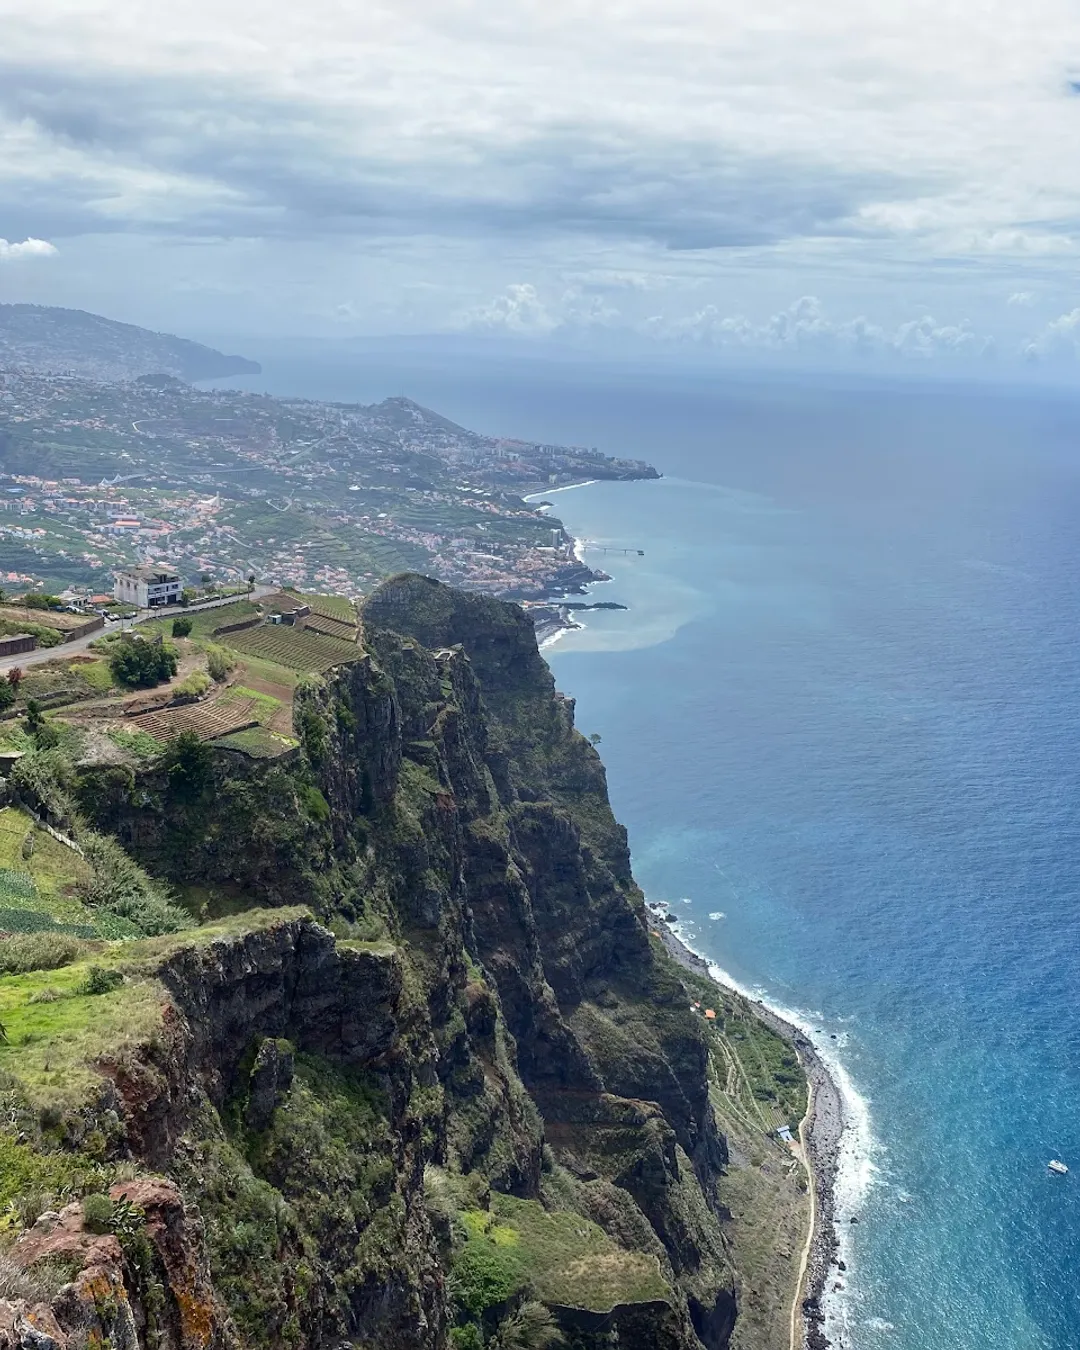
x: 71, y: 341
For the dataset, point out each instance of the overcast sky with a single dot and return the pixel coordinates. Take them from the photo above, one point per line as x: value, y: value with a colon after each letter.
x: 885, y: 179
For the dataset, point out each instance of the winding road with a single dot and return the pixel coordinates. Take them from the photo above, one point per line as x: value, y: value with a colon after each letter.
x: 35, y: 658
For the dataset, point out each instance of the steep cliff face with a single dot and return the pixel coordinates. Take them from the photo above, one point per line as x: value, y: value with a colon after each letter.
x: 462, y: 1093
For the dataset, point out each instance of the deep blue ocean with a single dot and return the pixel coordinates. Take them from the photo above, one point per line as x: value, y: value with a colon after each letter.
x: 841, y: 720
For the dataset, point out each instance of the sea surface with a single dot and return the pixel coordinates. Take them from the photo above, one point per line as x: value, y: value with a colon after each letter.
x: 841, y: 720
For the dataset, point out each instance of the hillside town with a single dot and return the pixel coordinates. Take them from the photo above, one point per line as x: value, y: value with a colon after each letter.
x: 220, y: 485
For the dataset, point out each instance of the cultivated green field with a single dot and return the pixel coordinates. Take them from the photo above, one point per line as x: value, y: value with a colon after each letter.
x: 291, y: 647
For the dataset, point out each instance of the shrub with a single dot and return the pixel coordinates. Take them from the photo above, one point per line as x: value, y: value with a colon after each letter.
x: 315, y: 804
x: 468, y: 1337
x: 181, y: 626
x: 7, y: 694
x: 530, y: 1327
x: 41, y: 1283
x: 22, y: 952
x: 485, y: 1275
x: 97, y: 1213
x: 195, y: 684
x: 140, y: 664
x: 101, y: 981
x: 45, y: 778
x: 313, y: 734
x: 188, y: 764
x: 219, y: 661
x: 118, y: 884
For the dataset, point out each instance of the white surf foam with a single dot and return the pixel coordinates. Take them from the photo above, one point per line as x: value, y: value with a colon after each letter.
x: 858, y: 1167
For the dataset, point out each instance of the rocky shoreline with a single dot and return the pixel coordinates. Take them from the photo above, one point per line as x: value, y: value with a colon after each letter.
x: 821, y: 1132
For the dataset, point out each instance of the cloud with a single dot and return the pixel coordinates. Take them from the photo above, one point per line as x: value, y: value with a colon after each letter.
x: 519, y: 310
x: 181, y: 152
x: 1059, y: 339
x: 803, y: 328
x: 604, y: 148
x: 29, y: 248
x: 1021, y: 299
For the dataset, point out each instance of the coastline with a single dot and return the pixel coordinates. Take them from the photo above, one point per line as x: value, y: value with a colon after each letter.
x: 821, y: 1133
x: 551, y: 629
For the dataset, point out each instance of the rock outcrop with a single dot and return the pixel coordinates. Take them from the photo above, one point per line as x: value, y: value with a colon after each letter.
x: 375, y: 1116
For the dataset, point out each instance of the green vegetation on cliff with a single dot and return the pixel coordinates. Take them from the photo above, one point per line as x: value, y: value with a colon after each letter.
x: 431, y: 1081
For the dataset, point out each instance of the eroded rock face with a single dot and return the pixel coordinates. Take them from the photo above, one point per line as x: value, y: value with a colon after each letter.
x: 156, y: 1292
x: 516, y: 1023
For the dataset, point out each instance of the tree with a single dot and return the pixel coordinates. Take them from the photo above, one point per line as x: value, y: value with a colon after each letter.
x: 14, y: 677
x: 140, y: 664
x: 7, y: 695
x: 181, y: 627
x: 251, y: 582
x: 189, y: 766
x: 35, y: 719
x: 205, y: 579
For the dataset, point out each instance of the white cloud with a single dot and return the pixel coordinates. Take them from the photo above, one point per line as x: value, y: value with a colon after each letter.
x: 610, y: 146
x: 29, y: 248
x: 1060, y: 338
x: 521, y: 311
x: 1022, y: 299
x: 805, y: 327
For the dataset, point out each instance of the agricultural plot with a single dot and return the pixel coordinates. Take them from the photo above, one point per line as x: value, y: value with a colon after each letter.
x: 332, y: 607
x: 294, y: 648
x: 335, y: 628
x: 207, y: 720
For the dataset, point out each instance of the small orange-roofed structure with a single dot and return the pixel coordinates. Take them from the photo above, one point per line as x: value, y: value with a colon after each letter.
x: 710, y: 1014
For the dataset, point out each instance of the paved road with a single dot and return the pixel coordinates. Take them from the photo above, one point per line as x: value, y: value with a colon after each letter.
x: 34, y: 658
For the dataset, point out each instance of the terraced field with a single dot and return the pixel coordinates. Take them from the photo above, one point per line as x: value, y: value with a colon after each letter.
x: 336, y: 628
x: 332, y: 607
x: 294, y: 648
x: 207, y: 720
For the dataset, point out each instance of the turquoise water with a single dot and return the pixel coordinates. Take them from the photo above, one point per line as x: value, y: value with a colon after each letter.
x: 843, y: 713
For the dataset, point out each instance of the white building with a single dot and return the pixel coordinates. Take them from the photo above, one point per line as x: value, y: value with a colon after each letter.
x: 147, y: 587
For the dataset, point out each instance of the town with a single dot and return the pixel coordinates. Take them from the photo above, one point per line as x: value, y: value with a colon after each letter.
x: 221, y: 485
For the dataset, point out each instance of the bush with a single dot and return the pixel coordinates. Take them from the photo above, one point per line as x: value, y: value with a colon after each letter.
x: 140, y: 664
x: 485, y: 1275
x: 22, y: 952
x: 189, y: 765
x: 7, y: 694
x: 181, y: 626
x: 97, y: 1213
x: 468, y: 1337
x: 219, y: 661
x: 315, y: 804
x: 101, y: 981
x: 194, y: 685
x: 118, y: 884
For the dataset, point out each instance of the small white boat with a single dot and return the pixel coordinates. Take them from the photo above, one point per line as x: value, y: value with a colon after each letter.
x: 1058, y: 1167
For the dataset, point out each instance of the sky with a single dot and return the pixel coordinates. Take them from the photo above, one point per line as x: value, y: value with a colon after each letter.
x: 882, y: 181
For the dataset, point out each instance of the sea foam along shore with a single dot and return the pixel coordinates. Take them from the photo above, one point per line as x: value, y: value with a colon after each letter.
x: 838, y: 1145
x: 548, y: 636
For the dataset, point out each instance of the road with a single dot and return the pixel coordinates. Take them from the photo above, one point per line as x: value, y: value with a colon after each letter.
x: 35, y: 658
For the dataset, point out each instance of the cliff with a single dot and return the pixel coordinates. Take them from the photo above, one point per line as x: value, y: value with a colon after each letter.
x: 455, y: 1093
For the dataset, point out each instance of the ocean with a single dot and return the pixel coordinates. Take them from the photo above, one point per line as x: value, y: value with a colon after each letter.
x: 841, y: 721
